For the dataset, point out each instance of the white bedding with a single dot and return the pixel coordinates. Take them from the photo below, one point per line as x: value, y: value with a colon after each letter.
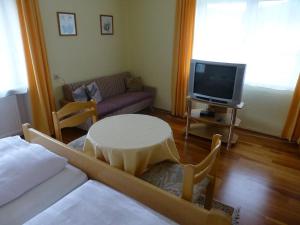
x: 23, y: 166
x: 94, y: 203
x: 41, y: 197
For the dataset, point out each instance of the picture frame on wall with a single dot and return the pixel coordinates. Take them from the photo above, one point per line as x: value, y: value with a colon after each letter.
x: 107, y: 24
x: 67, y: 23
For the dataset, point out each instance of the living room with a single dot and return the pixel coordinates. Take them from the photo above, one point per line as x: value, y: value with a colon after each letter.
x: 258, y: 177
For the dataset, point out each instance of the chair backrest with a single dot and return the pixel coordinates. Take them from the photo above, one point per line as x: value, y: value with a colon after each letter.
x: 73, y: 114
x: 206, y: 168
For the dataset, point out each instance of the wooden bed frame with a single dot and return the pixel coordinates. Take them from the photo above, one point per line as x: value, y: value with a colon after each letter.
x: 171, y: 206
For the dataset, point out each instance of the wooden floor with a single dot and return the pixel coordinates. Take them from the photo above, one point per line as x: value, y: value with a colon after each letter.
x: 260, y: 174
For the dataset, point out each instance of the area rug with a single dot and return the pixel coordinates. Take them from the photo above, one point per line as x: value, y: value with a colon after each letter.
x: 233, y: 212
x: 169, y: 176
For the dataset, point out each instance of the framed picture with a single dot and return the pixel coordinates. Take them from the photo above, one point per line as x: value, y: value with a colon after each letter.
x: 106, y: 24
x: 66, y: 24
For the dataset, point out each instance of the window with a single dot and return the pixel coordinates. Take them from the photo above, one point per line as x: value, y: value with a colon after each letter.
x: 264, y: 34
x: 13, y: 74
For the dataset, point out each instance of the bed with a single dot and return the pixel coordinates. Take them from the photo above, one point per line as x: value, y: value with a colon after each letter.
x: 42, y: 196
x: 110, y: 196
x: 113, y: 208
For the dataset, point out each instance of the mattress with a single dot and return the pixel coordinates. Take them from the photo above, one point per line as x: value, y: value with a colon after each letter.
x: 94, y: 203
x: 41, y: 197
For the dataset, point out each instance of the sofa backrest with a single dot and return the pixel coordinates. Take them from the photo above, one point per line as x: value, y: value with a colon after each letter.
x: 108, y: 85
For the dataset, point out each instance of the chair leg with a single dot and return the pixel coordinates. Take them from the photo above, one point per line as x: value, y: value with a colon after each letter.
x: 209, y: 195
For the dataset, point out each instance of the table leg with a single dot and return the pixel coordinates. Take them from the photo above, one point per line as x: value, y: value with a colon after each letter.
x: 188, y: 122
x: 231, y: 128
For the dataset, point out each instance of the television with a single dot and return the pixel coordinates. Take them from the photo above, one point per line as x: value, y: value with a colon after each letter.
x: 217, y: 82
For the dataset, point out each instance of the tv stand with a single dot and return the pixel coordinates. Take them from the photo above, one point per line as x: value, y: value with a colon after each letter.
x: 223, y: 122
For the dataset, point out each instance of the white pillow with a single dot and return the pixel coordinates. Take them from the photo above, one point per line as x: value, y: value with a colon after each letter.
x: 79, y: 94
x: 24, y: 166
x: 94, y: 92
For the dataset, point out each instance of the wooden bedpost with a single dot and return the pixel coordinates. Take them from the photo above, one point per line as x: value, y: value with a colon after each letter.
x: 26, y: 133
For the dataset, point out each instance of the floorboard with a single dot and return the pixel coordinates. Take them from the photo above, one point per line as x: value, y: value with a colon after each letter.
x: 260, y: 174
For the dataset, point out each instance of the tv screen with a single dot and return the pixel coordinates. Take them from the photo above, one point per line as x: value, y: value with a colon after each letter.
x: 215, y: 80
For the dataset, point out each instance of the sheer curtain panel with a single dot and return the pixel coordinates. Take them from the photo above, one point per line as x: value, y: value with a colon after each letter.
x: 13, y: 78
x: 264, y: 34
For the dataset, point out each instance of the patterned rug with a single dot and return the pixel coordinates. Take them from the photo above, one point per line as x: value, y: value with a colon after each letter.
x: 169, y: 177
x: 234, y: 213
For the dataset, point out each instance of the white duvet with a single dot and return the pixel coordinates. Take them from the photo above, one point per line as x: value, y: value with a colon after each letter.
x: 94, y: 203
x: 41, y: 197
x: 24, y: 166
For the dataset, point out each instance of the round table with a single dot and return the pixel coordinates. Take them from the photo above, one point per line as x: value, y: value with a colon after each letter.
x: 131, y: 142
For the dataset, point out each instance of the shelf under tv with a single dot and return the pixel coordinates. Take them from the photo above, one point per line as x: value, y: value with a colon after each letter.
x: 223, y: 122
x: 207, y: 131
x: 221, y: 119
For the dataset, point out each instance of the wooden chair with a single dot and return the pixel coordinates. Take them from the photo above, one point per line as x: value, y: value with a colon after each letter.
x: 185, y: 180
x: 71, y: 115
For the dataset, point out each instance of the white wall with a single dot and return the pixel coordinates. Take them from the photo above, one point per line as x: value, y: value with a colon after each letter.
x: 151, y: 24
x: 145, y: 47
x: 17, y: 107
x: 89, y: 54
x: 265, y: 109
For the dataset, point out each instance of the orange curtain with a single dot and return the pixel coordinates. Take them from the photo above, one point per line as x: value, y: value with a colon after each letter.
x: 39, y: 80
x: 291, y: 129
x: 185, y: 20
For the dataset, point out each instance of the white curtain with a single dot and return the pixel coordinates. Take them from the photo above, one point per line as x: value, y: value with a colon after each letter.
x: 264, y: 34
x: 13, y: 75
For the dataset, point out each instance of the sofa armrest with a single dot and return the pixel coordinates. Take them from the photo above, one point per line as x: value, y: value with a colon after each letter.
x: 63, y: 102
x: 150, y: 89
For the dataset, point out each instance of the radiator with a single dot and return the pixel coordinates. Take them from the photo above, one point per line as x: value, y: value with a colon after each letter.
x: 13, y: 112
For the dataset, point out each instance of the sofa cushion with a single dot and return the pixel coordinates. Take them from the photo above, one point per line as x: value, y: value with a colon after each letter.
x: 79, y: 94
x: 111, y: 85
x: 117, y: 102
x: 134, y: 84
x: 108, y: 85
x: 94, y: 92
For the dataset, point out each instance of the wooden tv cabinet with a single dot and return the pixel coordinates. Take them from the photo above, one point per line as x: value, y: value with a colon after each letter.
x: 223, y: 122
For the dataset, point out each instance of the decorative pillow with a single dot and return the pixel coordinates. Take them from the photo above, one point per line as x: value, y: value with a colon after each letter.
x: 79, y: 94
x: 94, y: 92
x: 134, y: 84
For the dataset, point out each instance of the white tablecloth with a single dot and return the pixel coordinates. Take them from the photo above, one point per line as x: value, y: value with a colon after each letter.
x: 131, y: 142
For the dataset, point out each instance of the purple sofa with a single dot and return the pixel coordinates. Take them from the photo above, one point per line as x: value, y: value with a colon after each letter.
x: 116, y: 99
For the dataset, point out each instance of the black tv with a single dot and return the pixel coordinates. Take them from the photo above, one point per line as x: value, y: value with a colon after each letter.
x: 217, y: 82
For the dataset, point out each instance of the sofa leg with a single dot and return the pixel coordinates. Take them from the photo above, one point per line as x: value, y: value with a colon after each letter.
x: 151, y: 108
